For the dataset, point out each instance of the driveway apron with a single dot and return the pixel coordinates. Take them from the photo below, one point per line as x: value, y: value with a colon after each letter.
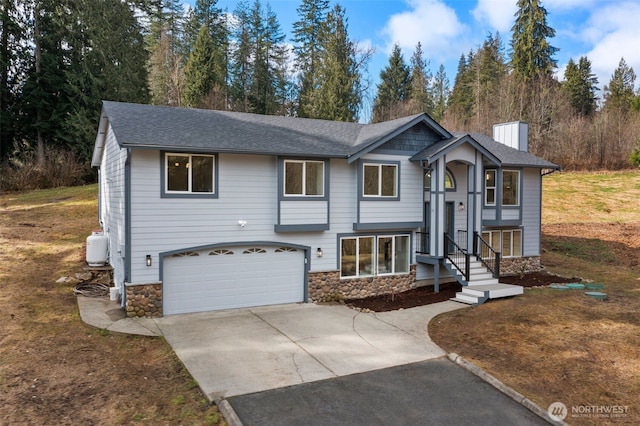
x: 244, y: 351
x: 432, y: 392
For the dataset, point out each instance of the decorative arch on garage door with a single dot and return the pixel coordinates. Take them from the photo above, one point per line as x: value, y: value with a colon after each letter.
x: 233, y: 275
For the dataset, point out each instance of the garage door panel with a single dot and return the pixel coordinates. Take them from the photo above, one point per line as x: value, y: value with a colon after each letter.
x: 249, y: 277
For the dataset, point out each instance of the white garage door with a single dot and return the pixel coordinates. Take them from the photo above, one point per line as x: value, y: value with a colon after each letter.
x: 232, y: 277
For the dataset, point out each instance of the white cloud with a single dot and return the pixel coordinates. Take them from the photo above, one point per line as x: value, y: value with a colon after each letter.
x: 499, y: 14
x: 430, y: 22
x: 569, y: 4
x: 613, y: 33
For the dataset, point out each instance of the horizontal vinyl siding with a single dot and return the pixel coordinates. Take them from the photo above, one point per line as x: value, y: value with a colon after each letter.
x: 510, y: 214
x: 303, y: 212
x: 247, y: 191
x: 531, y: 212
x: 489, y: 214
x: 112, y: 192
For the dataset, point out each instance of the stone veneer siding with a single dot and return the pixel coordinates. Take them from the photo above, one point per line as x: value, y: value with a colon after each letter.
x: 144, y: 300
x: 519, y: 265
x: 328, y: 286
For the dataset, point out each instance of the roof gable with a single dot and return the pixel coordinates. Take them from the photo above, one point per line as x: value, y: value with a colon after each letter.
x: 440, y: 149
x: 375, y: 135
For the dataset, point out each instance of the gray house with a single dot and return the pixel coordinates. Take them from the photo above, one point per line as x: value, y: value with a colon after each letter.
x: 208, y: 210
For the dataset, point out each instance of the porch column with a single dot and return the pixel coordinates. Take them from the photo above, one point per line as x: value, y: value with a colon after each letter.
x: 437, y: 207
x: 475, y: 187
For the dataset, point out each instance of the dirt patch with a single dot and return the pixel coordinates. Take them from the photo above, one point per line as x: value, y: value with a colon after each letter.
x: 56, y: 370
x: 426, y: 294
x: 553, y: 345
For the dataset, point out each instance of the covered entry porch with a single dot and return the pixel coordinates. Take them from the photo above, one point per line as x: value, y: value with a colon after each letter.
x: 451, y: 235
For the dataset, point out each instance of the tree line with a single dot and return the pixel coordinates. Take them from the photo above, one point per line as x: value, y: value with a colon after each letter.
x: 60, y: 58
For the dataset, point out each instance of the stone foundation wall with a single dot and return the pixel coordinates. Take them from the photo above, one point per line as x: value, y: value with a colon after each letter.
x: 144, y: 300
x: 519, y: 265
x: 327, y: 286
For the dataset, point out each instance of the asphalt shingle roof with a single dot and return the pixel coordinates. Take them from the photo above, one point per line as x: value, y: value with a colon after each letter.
x: 509, y: 156
x: 148, y: 126
x: 189, y: 129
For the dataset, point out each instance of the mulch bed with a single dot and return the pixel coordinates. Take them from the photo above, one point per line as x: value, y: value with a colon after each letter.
x: 425, y: 295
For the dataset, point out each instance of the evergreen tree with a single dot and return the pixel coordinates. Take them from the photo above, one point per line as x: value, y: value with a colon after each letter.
x: 580, y: 86
x: 269, y: 56
x: 166, y: 53
x: 259, y: 82
x: 619, y: 93
x: 85, y: 51
x: 421, y: 86
x: 441, y: 93
x: 307, y: 31
x: 211, y: 38
x: 394, y: 89
x: 532, y: 55
x: 462, y: 99
x: 489, y: 70
x: 200, y: 71
x: 338, y: 80
x: 241, y: 62
x: 12, y: 63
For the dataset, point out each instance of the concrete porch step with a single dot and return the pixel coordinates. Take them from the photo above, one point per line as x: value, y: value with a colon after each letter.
x: 467, y: 299
x: 475, y: 282
x: 480, y: 276
x: 477, y: 294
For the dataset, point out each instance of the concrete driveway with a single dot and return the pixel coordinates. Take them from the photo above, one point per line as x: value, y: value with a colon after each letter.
x: 244, y: 351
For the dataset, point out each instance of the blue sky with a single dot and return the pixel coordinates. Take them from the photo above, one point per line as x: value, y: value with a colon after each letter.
x: 603, y: 30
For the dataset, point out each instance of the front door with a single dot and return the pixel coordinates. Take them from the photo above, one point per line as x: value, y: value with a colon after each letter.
x: 449, y: 223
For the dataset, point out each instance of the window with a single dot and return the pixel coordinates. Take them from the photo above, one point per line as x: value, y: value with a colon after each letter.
x: 510, y: 195
x: 510, y: 188
x: 285, y: 249
x: 185, y: 254
x: 189, y: 173
x: 368, y: 255
x: 303, y: 178
x: 253, y: 250
x: 449, y: 182
x: 508, y: 242
x: 490, y: 188
x: 380, y: 180
x: 220, y: 252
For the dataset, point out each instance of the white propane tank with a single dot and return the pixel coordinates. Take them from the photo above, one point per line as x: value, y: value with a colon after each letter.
x: 97, y: 248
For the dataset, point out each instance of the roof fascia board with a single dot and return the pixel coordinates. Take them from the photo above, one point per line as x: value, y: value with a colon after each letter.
x: 226, y: 151
x: 101, y: 140
x: 424, y: 118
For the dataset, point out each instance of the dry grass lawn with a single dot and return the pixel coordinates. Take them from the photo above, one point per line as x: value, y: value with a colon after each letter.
x: 559, y: 345
x: 550, y: 345
x: 55, y: 370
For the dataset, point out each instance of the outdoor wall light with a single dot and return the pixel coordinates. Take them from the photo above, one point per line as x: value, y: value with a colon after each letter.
x: 148, y: 260
x: 461, y: 206
x: 242, y: 223
x: 319, y: 252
